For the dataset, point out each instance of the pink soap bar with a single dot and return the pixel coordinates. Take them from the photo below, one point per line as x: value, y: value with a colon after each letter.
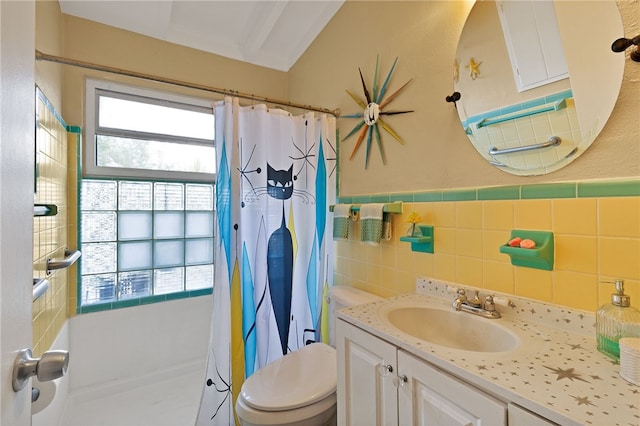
x: 527, y: 243
x: 515, y: 242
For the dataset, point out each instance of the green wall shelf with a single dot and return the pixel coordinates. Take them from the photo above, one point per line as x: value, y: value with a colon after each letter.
x: 540, y: 257
x: 424, y: 243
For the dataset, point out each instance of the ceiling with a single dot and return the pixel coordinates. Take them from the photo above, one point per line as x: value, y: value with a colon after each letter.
x: 270, y: 33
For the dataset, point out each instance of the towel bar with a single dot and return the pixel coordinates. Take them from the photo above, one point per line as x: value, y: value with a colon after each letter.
x: 555, y: 106
x: 388, y: 208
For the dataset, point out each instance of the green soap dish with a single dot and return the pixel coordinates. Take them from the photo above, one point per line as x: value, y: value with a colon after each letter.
x: 424, y: 243
x: 540, y: 257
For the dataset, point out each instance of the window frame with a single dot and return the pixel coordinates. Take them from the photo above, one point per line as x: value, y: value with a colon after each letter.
x: 94, y: 88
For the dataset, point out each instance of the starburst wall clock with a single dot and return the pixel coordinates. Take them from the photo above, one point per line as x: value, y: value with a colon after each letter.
x: 373, y: 110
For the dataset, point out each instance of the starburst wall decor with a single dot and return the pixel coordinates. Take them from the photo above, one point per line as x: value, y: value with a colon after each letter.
x: 373, y: 110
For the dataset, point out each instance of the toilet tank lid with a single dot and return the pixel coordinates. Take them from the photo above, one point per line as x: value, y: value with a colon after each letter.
x: 295, y: 380
x: 350, y: 296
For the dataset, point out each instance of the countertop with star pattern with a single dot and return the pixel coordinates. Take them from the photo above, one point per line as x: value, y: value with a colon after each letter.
x: 556, y: 371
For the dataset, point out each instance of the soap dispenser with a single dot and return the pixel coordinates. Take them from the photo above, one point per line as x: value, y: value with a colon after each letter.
x: 616, y: 320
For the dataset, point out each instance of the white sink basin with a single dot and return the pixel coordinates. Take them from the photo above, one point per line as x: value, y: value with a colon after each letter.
x: 458, y: 330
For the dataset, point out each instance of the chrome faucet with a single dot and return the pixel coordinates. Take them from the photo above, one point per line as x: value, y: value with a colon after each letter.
x: 475, y: 306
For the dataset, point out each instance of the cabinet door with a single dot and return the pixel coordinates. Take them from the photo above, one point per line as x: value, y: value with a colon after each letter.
x: 533, y: 42
x: 431, y: 397
x: 366, y: 369
x: 518, y: 416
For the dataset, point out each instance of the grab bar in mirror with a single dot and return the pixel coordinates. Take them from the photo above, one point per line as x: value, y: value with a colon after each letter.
x: 70, y: 258
x: 553, y: 141
x: 555, y: 106
x: 40, y: 285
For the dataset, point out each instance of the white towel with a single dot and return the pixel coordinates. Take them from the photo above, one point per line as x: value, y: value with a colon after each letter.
x: 371, y: 223
x: 341, y: 215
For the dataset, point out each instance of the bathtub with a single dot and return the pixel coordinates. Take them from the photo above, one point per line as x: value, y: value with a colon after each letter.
x: 142, y: 365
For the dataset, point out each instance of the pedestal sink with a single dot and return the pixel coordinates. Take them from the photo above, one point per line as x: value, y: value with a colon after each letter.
x: 457, y: 330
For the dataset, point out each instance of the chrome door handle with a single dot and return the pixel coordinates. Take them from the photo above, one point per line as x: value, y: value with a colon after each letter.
x: 52, y: 365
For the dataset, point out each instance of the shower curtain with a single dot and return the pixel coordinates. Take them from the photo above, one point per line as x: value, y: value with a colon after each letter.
x: 273, y: 261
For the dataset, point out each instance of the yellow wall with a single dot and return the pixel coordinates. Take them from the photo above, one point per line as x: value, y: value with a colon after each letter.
x: 88, y: 41
x: 438, y: 156
x: 49, y: 40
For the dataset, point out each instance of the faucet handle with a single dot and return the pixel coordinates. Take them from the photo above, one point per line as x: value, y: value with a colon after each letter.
x: 462, y: 295
x: 460, y: 299
x: 489, y: 304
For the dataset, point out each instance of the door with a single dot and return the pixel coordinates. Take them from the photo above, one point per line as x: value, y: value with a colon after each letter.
x: 430, y: 397
x: 366, y: 368
x: 17, y: 133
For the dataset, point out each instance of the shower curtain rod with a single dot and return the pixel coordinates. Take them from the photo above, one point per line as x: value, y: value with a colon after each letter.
x: 88, y: 65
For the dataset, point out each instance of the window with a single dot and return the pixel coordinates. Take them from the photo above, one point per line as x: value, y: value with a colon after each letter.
x: 144, y: 238
x: 134, y: 132
x: 146, y: 198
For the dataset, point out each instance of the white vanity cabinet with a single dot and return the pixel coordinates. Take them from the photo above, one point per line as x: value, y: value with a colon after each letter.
x: 518, y: 416
x: 367, y: 367
x: 431, y: 397
x: 379, y: 384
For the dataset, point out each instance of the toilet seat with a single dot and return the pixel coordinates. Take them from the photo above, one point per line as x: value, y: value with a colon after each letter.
x: 298, y: 379
x: 315, y: 414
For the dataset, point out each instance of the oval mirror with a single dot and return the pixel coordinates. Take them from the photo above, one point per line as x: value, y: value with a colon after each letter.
x: 537, y: 79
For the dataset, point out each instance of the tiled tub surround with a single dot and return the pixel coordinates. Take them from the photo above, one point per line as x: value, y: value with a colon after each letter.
x: 50, y: 233
x: 557, y: 371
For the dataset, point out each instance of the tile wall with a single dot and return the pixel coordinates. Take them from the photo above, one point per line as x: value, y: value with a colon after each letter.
x: 50, y: 232
x: 597, y: 238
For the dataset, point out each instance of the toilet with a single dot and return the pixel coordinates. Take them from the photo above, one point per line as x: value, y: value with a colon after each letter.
x: 290, y: 390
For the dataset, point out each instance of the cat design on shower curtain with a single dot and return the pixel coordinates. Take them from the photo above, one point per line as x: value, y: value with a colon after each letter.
x: 280, y: 255
x: 279, y: 259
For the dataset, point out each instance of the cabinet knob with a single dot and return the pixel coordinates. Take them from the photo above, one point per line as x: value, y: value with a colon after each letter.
x: 385, y: 370
x: 400, y: 381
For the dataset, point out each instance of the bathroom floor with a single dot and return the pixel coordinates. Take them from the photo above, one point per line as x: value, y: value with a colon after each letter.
x: 170, y: 402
